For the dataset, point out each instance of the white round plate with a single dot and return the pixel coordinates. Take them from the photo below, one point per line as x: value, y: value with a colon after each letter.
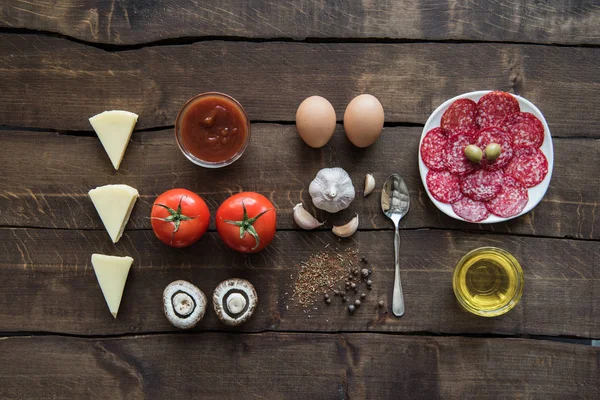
x: 536, y: 193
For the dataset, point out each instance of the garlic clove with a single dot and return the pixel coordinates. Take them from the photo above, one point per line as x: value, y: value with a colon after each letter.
x: 304, y: 219
x: 348, y: 229
x: 369, y: 184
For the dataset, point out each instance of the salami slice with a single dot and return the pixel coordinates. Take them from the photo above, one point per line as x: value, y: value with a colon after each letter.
x: 511, y: 200
x: 529, y: 166
x: 472, y: 211
x: 494, y: 107
x: 456, y: 160
x: 525, y: 130
x: 482, y: 185
x: 460, y: 115
x: 444, y: 186
x: 494, y: 135
x: 433, y: 149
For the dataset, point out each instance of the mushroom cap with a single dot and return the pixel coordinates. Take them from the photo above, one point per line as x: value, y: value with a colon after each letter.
x: 184, y: 304
x: 234, y: 301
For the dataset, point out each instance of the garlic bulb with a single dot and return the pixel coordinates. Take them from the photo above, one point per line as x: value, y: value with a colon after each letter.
x: 332, y: 190
x: 348, y: 229
x: 304, y: 219
x: 369, y: 184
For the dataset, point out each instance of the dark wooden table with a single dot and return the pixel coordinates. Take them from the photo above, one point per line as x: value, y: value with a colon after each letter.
x: 64, y: 61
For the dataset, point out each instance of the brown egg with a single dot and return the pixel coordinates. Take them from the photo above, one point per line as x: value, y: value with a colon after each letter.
x: 363, y: 120
x: 315, y: 121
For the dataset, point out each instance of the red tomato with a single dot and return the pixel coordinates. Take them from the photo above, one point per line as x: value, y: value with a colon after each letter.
x: 179, y: 217
x: 246, y: 222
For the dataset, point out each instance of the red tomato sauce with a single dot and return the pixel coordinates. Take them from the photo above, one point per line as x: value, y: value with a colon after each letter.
x: 213, y: 128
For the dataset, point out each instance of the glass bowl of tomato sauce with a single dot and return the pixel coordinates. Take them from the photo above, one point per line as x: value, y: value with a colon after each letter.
x: 212, y: 130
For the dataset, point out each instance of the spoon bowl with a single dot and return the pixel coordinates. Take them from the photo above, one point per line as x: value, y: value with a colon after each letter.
x: 395, y: 201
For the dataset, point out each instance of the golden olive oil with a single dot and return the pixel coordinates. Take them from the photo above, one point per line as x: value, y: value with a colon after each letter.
x: 488, y: 281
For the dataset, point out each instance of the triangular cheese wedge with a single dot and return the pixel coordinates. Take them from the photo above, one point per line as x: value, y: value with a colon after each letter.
x: 112, y: 274
x: 114, y: 204
x: 114, y: 130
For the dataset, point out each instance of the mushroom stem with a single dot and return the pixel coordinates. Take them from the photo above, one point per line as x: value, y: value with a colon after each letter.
x: 236, y: 303
x: 183, y: 304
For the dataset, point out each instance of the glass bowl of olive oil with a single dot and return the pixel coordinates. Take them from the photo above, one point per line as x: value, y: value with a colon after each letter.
x: 488, y: 281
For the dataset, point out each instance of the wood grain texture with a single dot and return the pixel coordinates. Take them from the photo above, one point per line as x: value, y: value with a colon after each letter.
x: 318, y: 366
x: 64, y: 83
x: 137, y: 21
x: 561, y: 297
x: 50, y: 190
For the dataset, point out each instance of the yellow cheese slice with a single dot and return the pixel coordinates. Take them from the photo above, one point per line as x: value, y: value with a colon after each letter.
x: 114, y: 204
x: 112, y: 274
x: 114, y: 130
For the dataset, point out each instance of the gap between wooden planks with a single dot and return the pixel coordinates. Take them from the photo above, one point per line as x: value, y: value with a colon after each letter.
x: 135, y: 22
x: 278, y: 365
x: 64, y: 83
x: 53, y: 268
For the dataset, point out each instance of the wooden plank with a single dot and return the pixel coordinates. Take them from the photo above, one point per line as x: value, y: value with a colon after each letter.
x: 561, y: 297
x: 319, y: 366
x: 64, y: 83
x: 277, y: 164
x: 139, y: 21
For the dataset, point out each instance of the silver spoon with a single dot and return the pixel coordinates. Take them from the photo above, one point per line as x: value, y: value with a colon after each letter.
x: 395, y: 200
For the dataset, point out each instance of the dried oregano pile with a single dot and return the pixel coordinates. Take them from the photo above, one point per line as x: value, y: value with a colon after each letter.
x: 333, y: 273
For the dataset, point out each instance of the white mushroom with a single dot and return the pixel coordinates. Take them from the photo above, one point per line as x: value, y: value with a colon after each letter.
x: 234, y: 301
x: 184, y: 303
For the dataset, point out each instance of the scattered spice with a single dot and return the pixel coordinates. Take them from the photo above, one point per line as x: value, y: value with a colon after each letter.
x: 320, y: 273
x: 323, y: 274
x: 381, y: 304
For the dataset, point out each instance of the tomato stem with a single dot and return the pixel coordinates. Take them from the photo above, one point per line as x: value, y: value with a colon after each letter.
x: 246, y: 225
x: 175, y: 216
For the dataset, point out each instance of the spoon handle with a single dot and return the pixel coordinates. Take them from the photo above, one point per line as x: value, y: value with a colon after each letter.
x: 398, y: 296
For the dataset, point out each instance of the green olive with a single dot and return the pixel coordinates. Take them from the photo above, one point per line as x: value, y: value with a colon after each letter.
x: 492, y: 151
x: 473, y: 153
